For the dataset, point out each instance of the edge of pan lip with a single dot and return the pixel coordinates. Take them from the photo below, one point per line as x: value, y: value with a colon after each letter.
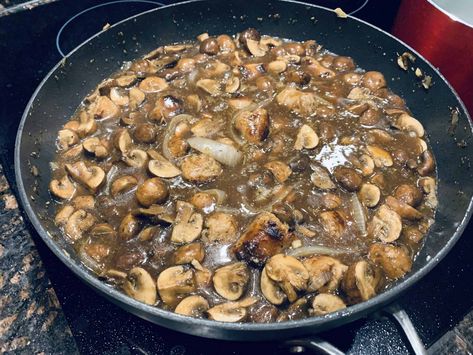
x: 352, y: 312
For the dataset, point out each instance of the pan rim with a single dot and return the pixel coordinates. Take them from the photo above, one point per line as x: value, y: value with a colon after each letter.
x: 351, y: 313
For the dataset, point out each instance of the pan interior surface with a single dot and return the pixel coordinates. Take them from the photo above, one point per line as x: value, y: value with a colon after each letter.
x: 60, y: 93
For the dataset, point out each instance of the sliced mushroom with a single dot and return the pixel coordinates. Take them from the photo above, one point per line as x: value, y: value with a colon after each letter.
x: 123, y: 141
x: 333, y: 223
x: 140, y: 285
x: 87, y: 124
x: 67, y: 138
x: 255, y: 48
x: 408, y: 123
x: 348, y: 178
x: 428, y: 164
x: 96, y: 147
x: 188, y: 224
x: 306, y: 138
x: 119, y: 97
x: 280, y: 170
x: 78, y: 223
x: 152, y: 191
x: 361, y: 281
x: 386, y: 225
x: 381, y: 157
x: 63, y: 215
x: 186, y: 253
x: 136, y: 97
x: 136, y: 158
x: 202, y: 275
x: 84, y: 202
x: 153, y: 84
x: 230, y: 281
x: 232, y: 85
x: 289, y: 273
x: 210, y: 86
x: 430, y: 188
x: 325, y: 303
x: 301, y: 102
x: 104, y: 108
x: 193, y: 306
x: 321, y: 178
x: 103, y: 231
x: 91, y: 177
x: 129, y: 227
x: 409, y: 194
x: 73, y: 153
x: 123, y: 184
x: 369, y: 195
x: 161, y: 167
x: 207, y: 128
x: 270, y: 289
x: 63, y: 188
x: 394, y: 260
x: 277, y: 66
x: 174, y: 283
x: 239, y: 103
x: 157, y: 213
x: 325, y: 273
x: 231, y: 311
x: 403, y: 209
x: 366, y: 165
x: 126, y: 80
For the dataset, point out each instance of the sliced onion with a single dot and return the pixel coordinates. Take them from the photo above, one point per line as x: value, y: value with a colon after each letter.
x: 358, y: 214
x: 170, y: 132
x: 224, y: 153
x: 318, y: 249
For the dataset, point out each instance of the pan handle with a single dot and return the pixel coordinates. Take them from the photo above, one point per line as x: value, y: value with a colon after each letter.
x: 401, y: 317
x: 319, y: 346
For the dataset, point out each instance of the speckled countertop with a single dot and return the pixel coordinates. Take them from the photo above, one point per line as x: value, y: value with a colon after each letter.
x: 31, y: 318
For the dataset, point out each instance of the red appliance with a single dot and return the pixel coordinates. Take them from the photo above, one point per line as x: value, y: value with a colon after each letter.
x: 442, y: 31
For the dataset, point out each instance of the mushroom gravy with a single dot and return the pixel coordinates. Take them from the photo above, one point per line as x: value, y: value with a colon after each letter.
x: 245, y: 178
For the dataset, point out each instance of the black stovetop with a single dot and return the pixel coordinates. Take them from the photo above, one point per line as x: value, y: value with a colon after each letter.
x: 31, y: 43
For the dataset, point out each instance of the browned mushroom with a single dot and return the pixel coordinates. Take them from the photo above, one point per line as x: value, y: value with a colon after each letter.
x: 394, y: 260
x: 193, y: 306
x: 230, y: 281
x: 333, y: 223
x: 140, y: 285
x: 96, y: 146
x: 403, y: 209
x: 409, y: 194
x: 174, y: 283
x: 104, y: 108
x: 89, y: 176
x: 153, y: 84
x: 78, y: 223
x: 306, y: 138
x: 348, y: 178
x: 361, y: 281
x: 186, y: 253
x: 386, y: 225
x: 63, y: 188
x: 129, y: 227
x: 428, y: 164
x: 369, y: 195
x: 152, y: 191
x: 231, y: 311
x: 325, y: 303
x: 325, y: 273
x: 160, y: 166
x: 123, y: 184
x: 289, y: 273
x: 67, y: 138
x: 280, y: 170
x: 188, y: 224
x: 84, y: 202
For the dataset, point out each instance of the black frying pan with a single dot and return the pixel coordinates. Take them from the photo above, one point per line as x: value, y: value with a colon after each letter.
x: 62, y: 90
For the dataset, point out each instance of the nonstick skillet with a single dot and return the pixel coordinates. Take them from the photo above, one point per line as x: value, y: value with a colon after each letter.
x: 61, y: 91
